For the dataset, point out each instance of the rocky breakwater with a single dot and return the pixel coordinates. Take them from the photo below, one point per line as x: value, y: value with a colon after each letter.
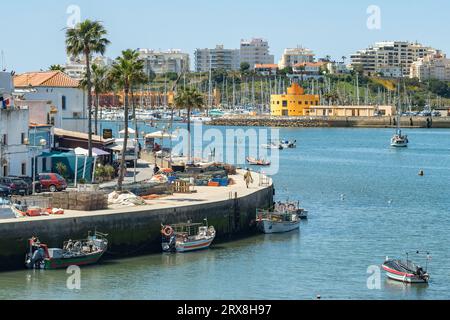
x: 284, y: 122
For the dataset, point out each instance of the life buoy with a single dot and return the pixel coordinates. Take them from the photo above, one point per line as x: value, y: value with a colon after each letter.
x: 167, y: 231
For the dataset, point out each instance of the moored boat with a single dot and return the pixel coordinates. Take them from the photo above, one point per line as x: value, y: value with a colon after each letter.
x: 186, y: 237
x: 277, y: 222
x: 273, y: 145
x: 292, y: 207
x: 406, y: 271
x: 74, y: 253
x: 286, y: 144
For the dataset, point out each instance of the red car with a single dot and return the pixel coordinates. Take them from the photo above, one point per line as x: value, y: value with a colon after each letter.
x: 52, y: 182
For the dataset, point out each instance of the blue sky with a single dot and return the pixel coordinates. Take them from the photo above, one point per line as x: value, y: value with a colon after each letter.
x: 33, y: 35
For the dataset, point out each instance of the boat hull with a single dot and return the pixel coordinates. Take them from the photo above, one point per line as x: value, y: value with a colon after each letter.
x: 62, y: 263
x: 202, y: 244
x: 270, y: 227
x: 403, y: 276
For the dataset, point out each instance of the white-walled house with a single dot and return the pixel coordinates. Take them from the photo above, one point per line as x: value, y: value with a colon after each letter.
x: 14, y: 151
x: 63, y: 93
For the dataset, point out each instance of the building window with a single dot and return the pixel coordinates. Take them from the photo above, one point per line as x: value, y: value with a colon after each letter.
x: 24, y: 168
x: 63, y: 102
x: 285, y: 103
x: 22, y: 138
x: 5, y: 171
x: 4, y: 139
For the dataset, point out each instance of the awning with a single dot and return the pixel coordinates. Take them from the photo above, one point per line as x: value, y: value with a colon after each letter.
x: 95, y: 152
x: 130, y: 131
x: 160, y: 135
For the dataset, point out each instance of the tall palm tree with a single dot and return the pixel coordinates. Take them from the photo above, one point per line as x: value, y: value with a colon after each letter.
x: 189, y: 98
x: 100, y: 84
x: 87, y: 38
x: 126, y: 71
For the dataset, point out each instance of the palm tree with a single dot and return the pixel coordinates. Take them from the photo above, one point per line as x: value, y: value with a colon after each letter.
x: 57, y: 67
x: 87, y: 38
x: 189, y: 98
x: 100, y: 84
x: 127, y: 70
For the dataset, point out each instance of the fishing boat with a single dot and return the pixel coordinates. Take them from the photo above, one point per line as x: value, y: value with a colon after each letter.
x: 277, y: 221
x: 286, y: 144
x: 406, y: 271
x: 74, y: 253
x: 258, y: 162
x: 187, y: 237
x: 292, y: 207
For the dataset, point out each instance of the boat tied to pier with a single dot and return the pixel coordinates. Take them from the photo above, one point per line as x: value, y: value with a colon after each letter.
x: 186, y: 237
x: 277, y: 221
x: 406, y: 271
x: 74, y: 252
x: 291, y: 207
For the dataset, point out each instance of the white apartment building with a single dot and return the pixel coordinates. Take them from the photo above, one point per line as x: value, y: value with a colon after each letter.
x: 293, y: 56
x: 14, y: 153
x: 218, y: 58
x: 75, y: 67
x: 386, y: 58
x: 431, y: 67
x: 256, y: 51
x: 160, y: 62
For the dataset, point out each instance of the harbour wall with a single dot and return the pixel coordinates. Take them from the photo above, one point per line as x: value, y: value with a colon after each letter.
x: 134, y: 231
x: 332, y: 122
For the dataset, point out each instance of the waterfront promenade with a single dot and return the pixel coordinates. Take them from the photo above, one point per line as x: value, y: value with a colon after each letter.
x: 136, y: 230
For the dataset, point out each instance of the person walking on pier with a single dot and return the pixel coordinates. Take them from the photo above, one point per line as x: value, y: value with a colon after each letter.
x: 248, y: 178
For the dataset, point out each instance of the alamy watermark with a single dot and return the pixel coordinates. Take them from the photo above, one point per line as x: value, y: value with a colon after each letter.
x: 74, y: 280
x: 74, y: 18
x: 374, y: 279
x: 232, y: 146
x: 374, y: 19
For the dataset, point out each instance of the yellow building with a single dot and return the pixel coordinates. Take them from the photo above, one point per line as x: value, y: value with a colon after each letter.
x: 294, y: 103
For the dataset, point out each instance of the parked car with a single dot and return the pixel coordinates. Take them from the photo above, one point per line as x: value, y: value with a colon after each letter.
x: 17, y: 186
x: 52, y: 182
x: 29, y: 182
x: 5, y: 191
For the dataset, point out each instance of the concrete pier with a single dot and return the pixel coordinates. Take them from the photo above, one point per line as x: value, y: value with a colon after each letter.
x: 136, y: 230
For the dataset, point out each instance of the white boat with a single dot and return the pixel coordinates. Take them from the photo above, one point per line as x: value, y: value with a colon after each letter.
x: 187, y: 237
x: 286, y: 144
x: 406, y: 271
x: 399, y: 140
x: 273, y: 146
x: 277, y: 222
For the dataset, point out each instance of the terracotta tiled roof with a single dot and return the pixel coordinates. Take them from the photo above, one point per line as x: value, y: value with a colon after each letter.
x: 45, y: 79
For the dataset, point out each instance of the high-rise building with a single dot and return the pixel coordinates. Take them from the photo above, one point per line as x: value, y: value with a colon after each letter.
x: 293, y: 56
x: 256, y: 51
x: 160, y: 62
x: 390, y: 59
x: 435, y: 66
x: 75, y: 67
x: 218, y: 58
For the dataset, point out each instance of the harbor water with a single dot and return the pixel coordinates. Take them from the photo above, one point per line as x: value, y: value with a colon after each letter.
x: 366, y: 201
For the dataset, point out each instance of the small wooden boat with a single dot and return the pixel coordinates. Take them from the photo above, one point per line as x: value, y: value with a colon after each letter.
x: 187, y: 237
x: 406, y: 271
x: 258, y: 162
x: 73, y: 253
x: 277, y: 222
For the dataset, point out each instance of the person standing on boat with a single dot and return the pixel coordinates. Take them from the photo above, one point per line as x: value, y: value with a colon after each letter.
x: 156, y: 169
x: 248, y: 178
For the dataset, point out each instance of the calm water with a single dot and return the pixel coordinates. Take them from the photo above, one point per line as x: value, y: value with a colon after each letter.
x: 387, y: 210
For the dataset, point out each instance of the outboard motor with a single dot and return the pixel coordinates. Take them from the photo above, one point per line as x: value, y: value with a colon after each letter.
x: 36, y: 259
